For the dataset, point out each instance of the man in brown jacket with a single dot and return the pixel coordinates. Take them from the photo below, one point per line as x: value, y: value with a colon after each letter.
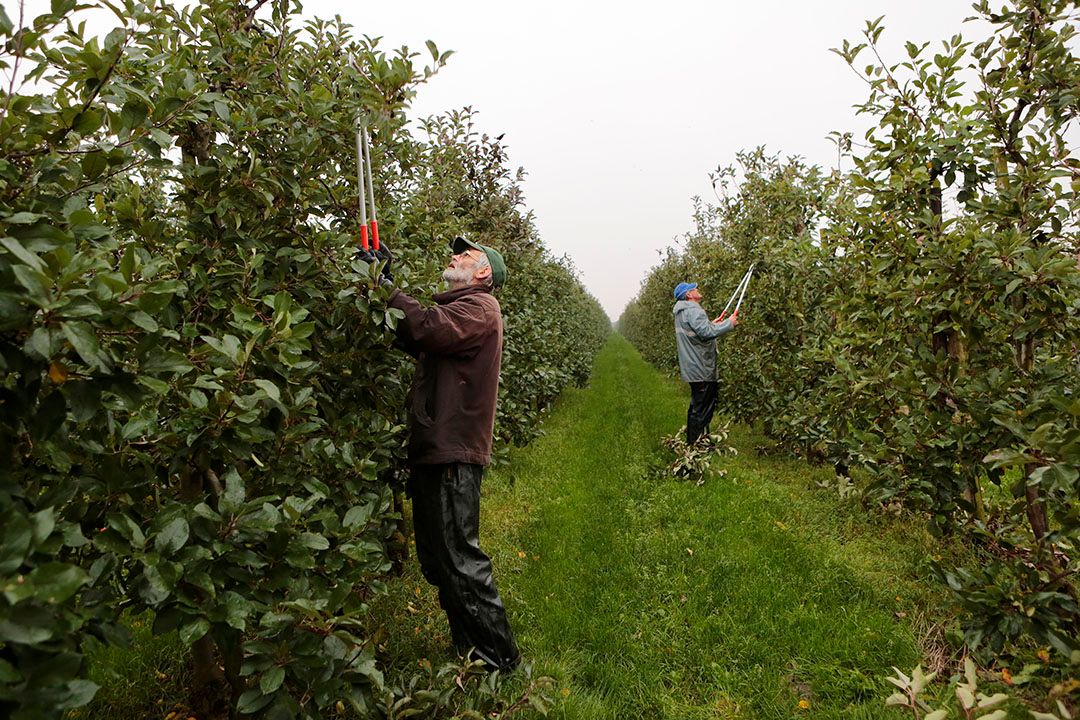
x: 457, y: 344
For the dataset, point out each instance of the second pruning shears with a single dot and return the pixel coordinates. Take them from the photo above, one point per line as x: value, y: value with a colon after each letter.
x: 740, y: 290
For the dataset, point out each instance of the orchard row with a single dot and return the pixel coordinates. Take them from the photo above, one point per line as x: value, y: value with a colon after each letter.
x: 201, y: 412
x: 916, y: 320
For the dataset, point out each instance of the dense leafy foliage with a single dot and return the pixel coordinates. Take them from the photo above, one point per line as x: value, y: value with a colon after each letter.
x: 919, y: 316
x: 200, y: 409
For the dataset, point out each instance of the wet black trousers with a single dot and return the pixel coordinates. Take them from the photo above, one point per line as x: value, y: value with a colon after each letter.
x: 446, y: 515
x: 702, y: 407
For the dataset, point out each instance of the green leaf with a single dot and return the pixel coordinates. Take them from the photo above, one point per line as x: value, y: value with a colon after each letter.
x: 127, y: 263
x: 18, y: 589
x: 82, y: 338
x: 198, y: 399
x: 127, y: 528
x: 233, y: 497
x: 17, y: 249
x: 356, y: 516
x: 253, y: 701
x: 41, y: 343
x: 314, y: 541
x: 159, y: 387
x: 55, y: 582
x: 162, y: 138
x: 165, y: 361
x: 14, y: 631
x: 271, y: 679
x: 88, y: 121
x: 83, y: 399
x: 23, y: 218
x: 236, y: 610
x: 42, y: 523
x: 158, y: 587
x: 192, y: 631
x: 172, y: 537
x: 76, y: 694
x: 269, y: 388
x: 229, y: 346
x: 138, y: 317
x: 34, y: 282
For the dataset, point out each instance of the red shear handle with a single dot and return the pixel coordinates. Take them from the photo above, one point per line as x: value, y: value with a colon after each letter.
x: 375, y: 234
x: 363, y: 237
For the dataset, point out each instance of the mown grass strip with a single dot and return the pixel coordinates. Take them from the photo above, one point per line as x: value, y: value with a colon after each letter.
x: 651, y: 598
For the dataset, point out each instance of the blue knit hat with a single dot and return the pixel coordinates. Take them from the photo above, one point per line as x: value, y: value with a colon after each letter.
x: 682, y: 288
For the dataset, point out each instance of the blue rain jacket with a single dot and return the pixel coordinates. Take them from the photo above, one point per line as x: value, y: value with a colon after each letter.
x: 696, y: 339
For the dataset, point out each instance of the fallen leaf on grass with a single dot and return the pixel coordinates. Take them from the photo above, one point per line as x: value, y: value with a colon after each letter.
x: 1065, y: 688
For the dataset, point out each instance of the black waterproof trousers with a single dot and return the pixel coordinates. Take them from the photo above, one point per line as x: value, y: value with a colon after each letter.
x: 702, y: 407
x: 446, y: 521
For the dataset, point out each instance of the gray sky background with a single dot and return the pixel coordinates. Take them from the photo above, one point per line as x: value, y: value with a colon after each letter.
x: 618, y: 112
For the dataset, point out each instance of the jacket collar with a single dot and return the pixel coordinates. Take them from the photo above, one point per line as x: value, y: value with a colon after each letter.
x: 452, y: 295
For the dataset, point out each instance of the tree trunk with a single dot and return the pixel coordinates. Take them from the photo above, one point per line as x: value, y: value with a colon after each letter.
x: 1036, y: 508
x: 950, y: 341
x: 398, y: 547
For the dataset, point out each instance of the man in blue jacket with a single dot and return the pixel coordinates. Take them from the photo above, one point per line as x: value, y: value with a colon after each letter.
x: 696, y: 339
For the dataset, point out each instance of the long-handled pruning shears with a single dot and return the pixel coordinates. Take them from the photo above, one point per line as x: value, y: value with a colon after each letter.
x: 740, y: 290
x: 363, y: 172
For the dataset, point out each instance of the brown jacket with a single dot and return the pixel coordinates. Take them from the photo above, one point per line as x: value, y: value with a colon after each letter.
x: 458, y: 347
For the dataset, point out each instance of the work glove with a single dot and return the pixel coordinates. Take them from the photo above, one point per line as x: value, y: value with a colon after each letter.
x: 387, y: 258
x: 381, y: 257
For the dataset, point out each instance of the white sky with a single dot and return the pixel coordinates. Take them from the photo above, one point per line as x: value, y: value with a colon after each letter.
x: 618, y: 115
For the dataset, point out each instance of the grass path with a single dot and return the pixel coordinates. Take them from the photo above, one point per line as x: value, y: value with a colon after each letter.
x: 653, y: 598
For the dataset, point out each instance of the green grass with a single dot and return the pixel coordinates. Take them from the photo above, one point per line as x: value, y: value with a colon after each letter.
x: 653, y: 598
x: 149, y: 679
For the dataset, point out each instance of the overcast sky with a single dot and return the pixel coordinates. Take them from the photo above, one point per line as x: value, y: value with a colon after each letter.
x: 618, y: 115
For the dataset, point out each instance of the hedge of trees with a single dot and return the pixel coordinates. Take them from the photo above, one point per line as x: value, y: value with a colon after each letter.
x: 918, y: 317
x: 200, y: 408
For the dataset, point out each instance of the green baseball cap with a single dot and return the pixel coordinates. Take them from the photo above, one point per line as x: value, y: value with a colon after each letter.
x: 495, y: 259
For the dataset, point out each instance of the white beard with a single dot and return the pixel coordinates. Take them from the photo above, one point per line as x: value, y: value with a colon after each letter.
x: 457, y: 277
